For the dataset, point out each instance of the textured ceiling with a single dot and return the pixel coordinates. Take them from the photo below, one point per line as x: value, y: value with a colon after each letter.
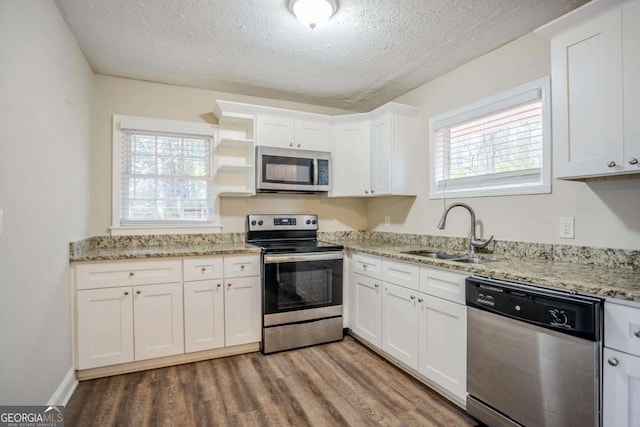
x: 370, y: 52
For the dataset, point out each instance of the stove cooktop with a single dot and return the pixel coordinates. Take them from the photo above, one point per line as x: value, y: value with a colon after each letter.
x: 296, y: 246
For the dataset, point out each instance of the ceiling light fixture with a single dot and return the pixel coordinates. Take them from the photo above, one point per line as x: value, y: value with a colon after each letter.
x: 313, y: 13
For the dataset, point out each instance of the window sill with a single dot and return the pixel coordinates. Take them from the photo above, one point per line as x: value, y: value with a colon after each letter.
x: 491, y: 192
x: 155, y: 230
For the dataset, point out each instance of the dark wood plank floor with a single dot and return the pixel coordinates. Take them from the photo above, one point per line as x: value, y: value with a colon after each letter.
x: 337, y: 384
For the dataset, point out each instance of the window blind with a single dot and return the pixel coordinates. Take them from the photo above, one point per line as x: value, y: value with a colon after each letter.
x: 165, y: 178
x: 496, y: 145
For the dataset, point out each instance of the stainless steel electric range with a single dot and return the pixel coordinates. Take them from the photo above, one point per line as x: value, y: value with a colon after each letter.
x: 301, y: 282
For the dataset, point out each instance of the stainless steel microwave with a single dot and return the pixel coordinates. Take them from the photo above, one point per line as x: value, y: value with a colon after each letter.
x: 292, y: 170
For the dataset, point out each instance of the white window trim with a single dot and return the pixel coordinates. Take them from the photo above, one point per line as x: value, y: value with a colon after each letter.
x: 488, y: 104
x: 155, y: 125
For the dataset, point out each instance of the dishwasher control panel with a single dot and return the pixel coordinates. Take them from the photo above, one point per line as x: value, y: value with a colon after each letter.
x: 571, y: 314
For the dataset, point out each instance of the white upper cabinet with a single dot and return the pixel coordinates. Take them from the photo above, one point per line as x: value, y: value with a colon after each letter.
x: 287, y: 132
x: 350, y: 148
x: 596, y: 74
x: 381, y: 155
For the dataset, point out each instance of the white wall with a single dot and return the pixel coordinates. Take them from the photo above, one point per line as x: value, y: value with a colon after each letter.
x: 114, y: 95
x: 45, y: 88
x: 607, y: 213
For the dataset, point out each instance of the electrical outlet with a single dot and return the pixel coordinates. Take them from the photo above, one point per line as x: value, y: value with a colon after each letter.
x: 387, y: 220
x: 567, y: 227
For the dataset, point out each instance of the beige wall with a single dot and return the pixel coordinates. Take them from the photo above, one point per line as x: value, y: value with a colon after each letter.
x: 607, y: 214
x: 45, y: 89
x: 137, y: 98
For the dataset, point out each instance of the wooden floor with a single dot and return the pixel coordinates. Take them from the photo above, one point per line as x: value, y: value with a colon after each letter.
x: 338, y: 384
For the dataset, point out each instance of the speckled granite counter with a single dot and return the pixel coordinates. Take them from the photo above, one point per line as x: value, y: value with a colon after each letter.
x: 162, y: 252
x: 592, y: 279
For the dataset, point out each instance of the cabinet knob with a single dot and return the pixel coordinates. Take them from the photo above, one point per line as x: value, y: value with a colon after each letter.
x: 366, y: 191
x: 412, y: 297
x: 241, y: 266
x: 126, y: 292
x: 611, y: 164
x: 229, y: 285
x: 637, y: 333
x: 376, y: 286
x: 138, y: 292
x: 218, y: 285
x: 131, y: 273
x: 204, y: 269
x: 420, y: 300
x: 373, y: 191
x: 364, y: 266
x: 291, y: 144
x: 298, y: 145
x: 633, y: 161
x: 613, y: 361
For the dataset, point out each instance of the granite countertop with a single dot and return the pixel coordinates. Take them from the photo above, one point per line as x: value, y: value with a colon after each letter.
x: 113, y: 254
x: 595, y: 280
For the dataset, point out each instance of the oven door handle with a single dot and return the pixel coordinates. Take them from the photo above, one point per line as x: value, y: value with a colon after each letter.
x: 312, y: 256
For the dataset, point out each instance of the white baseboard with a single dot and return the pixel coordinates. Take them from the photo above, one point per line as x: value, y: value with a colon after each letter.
x: 66, y: 388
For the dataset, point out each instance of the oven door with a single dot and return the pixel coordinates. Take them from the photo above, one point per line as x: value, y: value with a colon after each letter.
x: 302, y: 286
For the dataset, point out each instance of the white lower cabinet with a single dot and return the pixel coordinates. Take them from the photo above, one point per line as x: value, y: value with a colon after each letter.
x: 157, y: 320
x: 621, y: 366
x: 203, y: 315
x: 105, y: 327
x: 125, y: 324
x: 425, y: 331
x: 442, y: 343
x: 367, y: 309
x: 242, y: 313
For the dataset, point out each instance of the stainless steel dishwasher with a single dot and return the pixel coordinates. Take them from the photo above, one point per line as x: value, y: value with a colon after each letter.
x: 533, y: 355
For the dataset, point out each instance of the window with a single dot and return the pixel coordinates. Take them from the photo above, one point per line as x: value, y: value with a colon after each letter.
x: 498, y: 146
x: 162, y: 176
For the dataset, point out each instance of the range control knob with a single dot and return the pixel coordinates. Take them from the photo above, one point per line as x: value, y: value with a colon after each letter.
x: 253, y: 222
x: 308, y: 221
x: 260, y: 222
x: 314, y: 222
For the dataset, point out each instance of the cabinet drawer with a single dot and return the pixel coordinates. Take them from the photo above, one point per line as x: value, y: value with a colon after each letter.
x: 112, y: 274
x: 622, y: 328
x: 401, y: 273
x: 241, y: 265
x: 203, y: 268
x: 443, y: 284
x: 367, y: 265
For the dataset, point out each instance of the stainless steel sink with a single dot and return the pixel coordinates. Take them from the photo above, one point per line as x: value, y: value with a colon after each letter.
x: 429, y: 254
x: 472, y: 260
x: 450, y: 257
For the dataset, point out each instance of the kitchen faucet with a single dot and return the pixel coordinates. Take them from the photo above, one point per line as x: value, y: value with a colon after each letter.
x: 474, y: 242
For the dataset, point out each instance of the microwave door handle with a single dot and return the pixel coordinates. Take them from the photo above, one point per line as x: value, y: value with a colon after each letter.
x: 315, y: 172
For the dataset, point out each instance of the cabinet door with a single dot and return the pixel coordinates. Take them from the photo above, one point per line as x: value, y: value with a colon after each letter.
x: 367, y: 309
x: 242, y: 312
x: 443, y: 344
x: 158, y: 324
x: 381, y: 152
x: 620, y: 390
x: 587, y: 98
x: 400, y: 324
x: 105, y: 327
x: 275, y: 131
x: 310, y: 135
x: 203, y: 315
x: 351, y: 159
x: 631, y: 70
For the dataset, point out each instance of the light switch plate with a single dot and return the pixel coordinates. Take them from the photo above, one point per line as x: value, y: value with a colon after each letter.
x: 567, y: 227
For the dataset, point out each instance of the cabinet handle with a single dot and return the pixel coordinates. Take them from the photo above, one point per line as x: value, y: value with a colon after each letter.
x: 637, y: 333
x: 611, y: 164
x: 131, y: 273
x: 126, y: 292
x: 420, y: 300
x: 138, y: 292
x: 613, y: 361
x: 204, y: 269
x: 633, y: 161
